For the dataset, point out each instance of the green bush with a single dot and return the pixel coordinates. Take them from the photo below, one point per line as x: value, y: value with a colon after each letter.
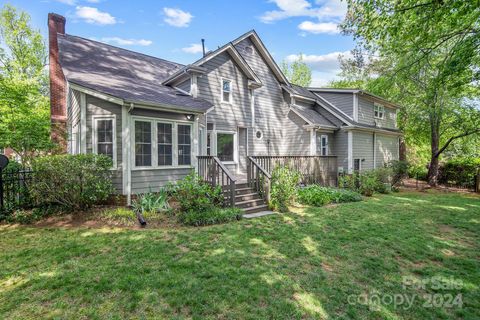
x: 74, y: 182
x: 315, y: 195
x: 211, y: 216
x: 30, y: 216
x: 419, y: 172
x: 152, y: 202
x: 194, y: 194
x: 283, y: 188
x: 460, y: 172
x: 399, y: 171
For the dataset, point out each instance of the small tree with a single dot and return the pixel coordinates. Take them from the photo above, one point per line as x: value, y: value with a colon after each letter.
x: 24, y: 106
x: 298, y: 72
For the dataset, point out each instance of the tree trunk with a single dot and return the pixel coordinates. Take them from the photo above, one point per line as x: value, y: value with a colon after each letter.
x: 432, y: 176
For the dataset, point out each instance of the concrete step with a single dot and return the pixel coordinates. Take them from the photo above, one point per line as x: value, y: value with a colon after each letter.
x: 259, y: 208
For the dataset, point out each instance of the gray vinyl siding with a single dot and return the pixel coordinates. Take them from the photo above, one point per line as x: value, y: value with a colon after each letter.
x: 98, y: 107
x: 271, y: 111
x: 73, y: 114
x: 185, y: 85
x: 343, y: 101
x: 386, y: 149
x: 340, y: 147
x: 363, y: 149
x: 152, y: 180
x: 366, y: 114
x: 299, y: 142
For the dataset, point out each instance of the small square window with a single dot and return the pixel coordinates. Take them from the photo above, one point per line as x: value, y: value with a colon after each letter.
x: 379, y: 111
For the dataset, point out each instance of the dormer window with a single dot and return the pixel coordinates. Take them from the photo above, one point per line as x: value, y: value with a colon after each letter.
x: 379, y: 111
x: 226, y: 91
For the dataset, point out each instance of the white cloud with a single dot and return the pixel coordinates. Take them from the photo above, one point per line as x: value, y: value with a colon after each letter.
x: 94, y: 16
x: 126, y: 42
x: 93, y: 1
x: 194, y: 48
x: 328, y: 13
x: 324, y: 67
x: 177, y: 17
x: 321, y: 27
x: 69, y: 2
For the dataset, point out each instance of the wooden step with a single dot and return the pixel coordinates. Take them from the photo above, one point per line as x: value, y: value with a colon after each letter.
x: 247, y: 196
x: 259, y: 208
x: 249, y: 203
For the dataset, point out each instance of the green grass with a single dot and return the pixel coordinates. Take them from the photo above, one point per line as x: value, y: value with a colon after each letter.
x: 299, y: 265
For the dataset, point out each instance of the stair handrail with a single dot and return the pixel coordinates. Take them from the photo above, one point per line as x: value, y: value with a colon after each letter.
x: 214, y: 172
x: 258, y: 178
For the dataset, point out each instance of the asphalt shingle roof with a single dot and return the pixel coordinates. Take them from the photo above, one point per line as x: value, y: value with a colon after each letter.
x: 314, y: 117
x: 128, y: 75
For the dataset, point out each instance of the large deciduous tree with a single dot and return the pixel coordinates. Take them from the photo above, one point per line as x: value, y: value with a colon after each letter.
x: 297, y: 72
x: 427, y: 54
x: 24, y: 106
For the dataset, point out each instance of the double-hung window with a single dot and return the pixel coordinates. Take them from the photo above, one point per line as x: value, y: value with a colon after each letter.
x: 324, y: 145
x: 104, y: 141
x: 162, y: 143
x: 379, y: 111
x: 226, y: 90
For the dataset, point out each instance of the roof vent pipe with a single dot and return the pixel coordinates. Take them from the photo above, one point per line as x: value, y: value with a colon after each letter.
x: 203, y: 47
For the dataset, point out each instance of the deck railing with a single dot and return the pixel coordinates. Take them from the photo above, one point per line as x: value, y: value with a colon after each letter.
x: 213, y: 171
x: 314, y: 169
x: 258, y: 178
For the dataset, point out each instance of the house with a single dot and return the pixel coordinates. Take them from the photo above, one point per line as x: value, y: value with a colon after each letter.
x: 154, y: 117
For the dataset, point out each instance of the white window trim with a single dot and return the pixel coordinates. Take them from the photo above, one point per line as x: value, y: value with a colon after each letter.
x: 378, y: 107
x: 235, y: 146
x: 95, y: 119
x: 231, y: 91
x: 153, y: 122
x: 324, y: 146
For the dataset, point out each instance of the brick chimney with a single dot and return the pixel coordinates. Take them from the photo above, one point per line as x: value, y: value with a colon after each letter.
x: 58, y: 85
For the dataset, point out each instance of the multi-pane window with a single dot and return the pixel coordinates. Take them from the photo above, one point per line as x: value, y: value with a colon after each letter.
x: 165, y: 144
x: 379, y: 111
x: 184, y: 144
x: 226, y: 90
x: 143, y: 143
x: 225, y: 146
x: 104, y: 137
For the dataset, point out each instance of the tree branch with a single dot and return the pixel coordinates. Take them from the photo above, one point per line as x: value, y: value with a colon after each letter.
x: 454, y: 138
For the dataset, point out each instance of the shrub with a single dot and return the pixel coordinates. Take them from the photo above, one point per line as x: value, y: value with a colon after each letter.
x: 72, y: 181
x: 399, y: 171
x: 283, y: 188
x: 30, y: 216
x: 459, y: 171
x: 194, y: 194
x: 121, y: 215
x: 213, y: 215
x: 152, y: 202
x: 315, y: 195
x: 419, y: 172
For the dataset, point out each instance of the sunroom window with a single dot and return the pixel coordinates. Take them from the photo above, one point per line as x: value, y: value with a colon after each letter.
x: 226, y: 91
x: 143, y: 143
x: 184, y: 144
x: 165, y: 144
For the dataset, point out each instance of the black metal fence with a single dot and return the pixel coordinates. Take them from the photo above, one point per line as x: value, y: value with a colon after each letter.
x: 14, y: 189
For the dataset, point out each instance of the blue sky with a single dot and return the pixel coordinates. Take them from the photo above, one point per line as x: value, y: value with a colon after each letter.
x: 172, y: 29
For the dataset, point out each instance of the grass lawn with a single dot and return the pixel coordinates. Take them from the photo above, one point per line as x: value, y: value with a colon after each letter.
x: 311, y: 263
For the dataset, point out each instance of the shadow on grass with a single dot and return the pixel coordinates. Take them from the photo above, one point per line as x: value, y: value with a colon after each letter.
x: 299, y: 265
